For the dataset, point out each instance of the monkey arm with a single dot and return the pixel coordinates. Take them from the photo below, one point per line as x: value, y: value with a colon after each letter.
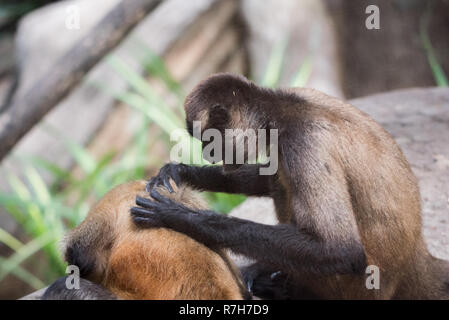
x: 286, y: 247
x: 245, y: 180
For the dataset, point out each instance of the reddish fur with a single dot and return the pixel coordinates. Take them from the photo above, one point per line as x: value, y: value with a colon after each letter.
x: 152, y: 263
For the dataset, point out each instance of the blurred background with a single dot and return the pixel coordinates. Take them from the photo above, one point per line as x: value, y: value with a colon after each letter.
x: 115, y: 125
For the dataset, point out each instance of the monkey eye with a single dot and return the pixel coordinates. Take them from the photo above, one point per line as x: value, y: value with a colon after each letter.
x: 217, y: 107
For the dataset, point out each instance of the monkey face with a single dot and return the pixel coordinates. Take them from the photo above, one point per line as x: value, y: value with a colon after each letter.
x: 218, y: 103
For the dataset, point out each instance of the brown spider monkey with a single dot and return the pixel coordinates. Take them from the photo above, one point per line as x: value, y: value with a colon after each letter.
x: 119, y: 261
x: 344, y: 193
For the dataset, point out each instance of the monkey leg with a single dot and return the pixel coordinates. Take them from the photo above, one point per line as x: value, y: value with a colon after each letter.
x: 245, y: 180
x: 286, y: 247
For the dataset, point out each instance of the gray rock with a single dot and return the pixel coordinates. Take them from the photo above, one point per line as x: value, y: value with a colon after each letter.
x: 419, y: 121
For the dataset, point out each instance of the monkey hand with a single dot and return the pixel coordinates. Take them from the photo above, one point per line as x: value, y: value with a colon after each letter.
x: 158, y: 211
x: 263, y: 282
x: 203, y: 226
x: 168, y: 171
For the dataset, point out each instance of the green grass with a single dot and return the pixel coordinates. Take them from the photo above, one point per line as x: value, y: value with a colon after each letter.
x: 437, y: 71
x: 46, y: 212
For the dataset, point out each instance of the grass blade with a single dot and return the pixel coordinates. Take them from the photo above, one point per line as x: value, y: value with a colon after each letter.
x: 25, y: 276
x: 9, y: 240
x: 25, y: 252
x: 274, y: 67
x: 139, y: 84
x: 437, y: 71
x: 302, y: 76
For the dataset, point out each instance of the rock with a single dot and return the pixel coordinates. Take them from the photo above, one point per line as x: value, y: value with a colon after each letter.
x: 419, y: 121
x: 308, y: 30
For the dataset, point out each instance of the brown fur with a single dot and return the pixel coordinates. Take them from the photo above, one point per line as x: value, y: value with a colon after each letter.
x: 342, y: 177
x: 386, y: 203
x: 153, y: 263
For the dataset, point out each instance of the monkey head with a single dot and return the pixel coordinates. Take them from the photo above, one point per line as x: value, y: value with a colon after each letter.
x: 89, y: 245
x: 156, y: 263
x: 226, y: 101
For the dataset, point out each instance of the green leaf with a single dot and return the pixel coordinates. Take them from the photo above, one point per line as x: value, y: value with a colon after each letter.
x: 273, y: 70
x: 38, y: 184
x: 223, y: 202
x: 25, y: 252
x: 24, y: 275
x: 437, y: 71
x: 9, y: 240
x: 56, y: 171
x: 31, y: 209
x: 155, y: 66
x: 302, y: 76
x: 14, y: 206
x: 78, y: 152
x: 141, y: 86
x: 18, y: 187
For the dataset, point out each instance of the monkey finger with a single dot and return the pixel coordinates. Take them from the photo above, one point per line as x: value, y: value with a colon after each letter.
x: 174, y: 172
x: 141, y: 212
x: 146, y: 203
x: 151, y: 184
x: 164, y: 177
x: 160, y: 198
x: 147, y: 222
x: 167, y: 184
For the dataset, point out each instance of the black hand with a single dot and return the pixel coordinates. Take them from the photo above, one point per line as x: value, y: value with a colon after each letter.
x: 164, y: 212
x: 158, y: 212
x: 167, y: 172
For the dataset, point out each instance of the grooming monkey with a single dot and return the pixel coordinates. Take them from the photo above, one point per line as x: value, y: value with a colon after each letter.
x: 117, y: 260
x: 344, y: 194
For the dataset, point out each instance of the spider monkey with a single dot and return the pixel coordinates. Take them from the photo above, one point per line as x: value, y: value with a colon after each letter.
x: 345, y: 195
x: 119, y: 261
